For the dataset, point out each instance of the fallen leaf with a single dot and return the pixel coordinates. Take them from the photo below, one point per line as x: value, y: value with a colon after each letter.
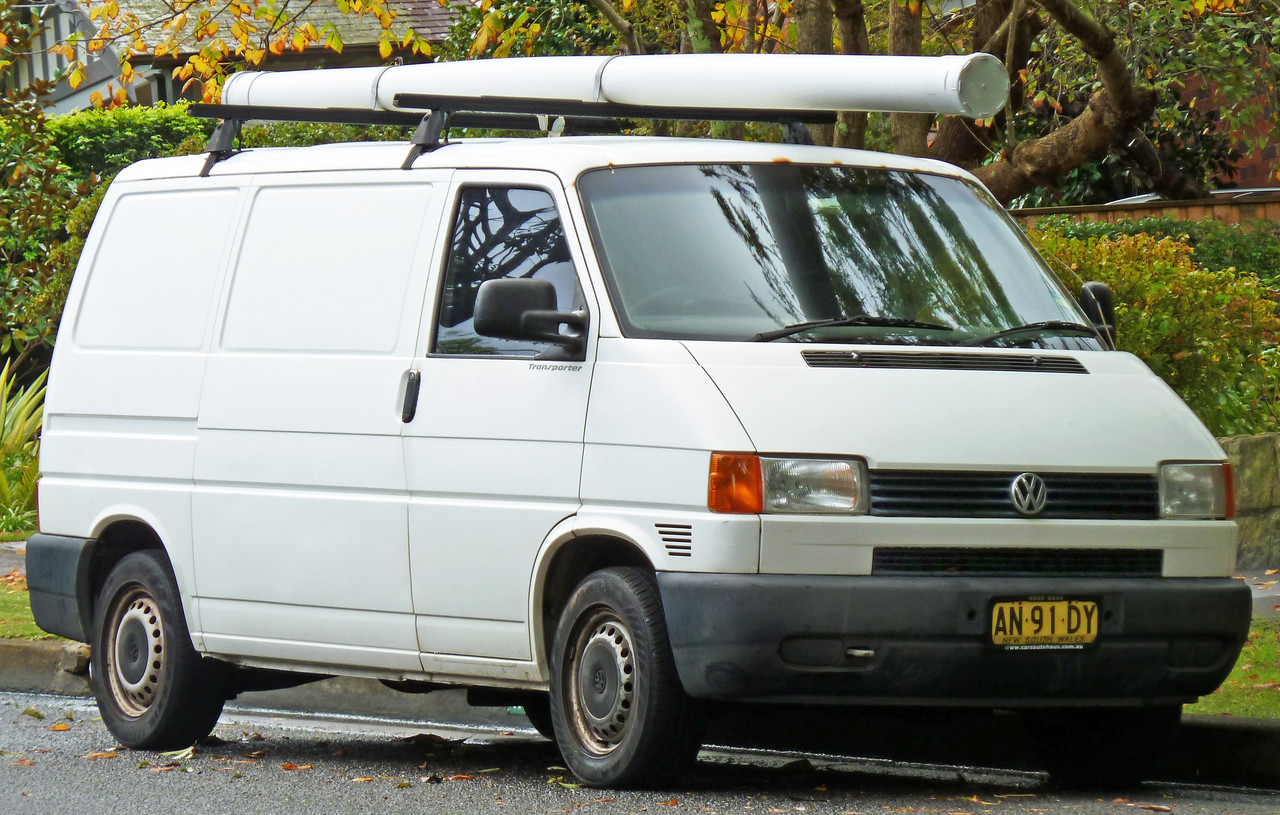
x: 671, y: 803
x: 460, y: 778
x: 102, y: 754
x: 60, y: 727
x: 180, y: 755
x: 14, y: 579
x: 24, y: 762
x: 403, y: 784
x: 364, y: 779
x: 33, y: 713
x: 288, y: 766
x: 254, y: 737
x: 212, y: 741
x: 491, y: 770
x: 1155, y: 807
x: 431, y: 779
x: 258, y: 753
x: 1272, y: 571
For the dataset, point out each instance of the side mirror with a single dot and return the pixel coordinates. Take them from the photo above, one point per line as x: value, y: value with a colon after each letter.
x: 1099, y: 306
x: 525, y: 309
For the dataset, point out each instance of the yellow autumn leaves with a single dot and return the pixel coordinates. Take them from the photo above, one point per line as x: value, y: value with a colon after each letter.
x: 204, y: 38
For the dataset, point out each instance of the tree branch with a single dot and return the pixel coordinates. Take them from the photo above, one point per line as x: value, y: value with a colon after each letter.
x: 1112, y: 114
x: 623, y: 27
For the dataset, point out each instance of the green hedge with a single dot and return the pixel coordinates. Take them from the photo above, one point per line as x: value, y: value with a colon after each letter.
x: 103, y: 142
x: 1250, y: 248
x: 1210, y: 334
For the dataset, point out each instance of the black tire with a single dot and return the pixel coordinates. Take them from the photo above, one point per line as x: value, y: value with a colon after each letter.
x: 537, y: 709
x: 633, y: 725
x: 1104, y: 748
x: 154, y: 691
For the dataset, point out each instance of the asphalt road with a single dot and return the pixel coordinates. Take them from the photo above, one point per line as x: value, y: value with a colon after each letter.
x: 68, y: 763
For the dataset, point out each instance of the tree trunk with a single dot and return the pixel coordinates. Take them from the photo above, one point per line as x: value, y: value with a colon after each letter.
x: 906, y: 36
x: 1113, y: 113
x: 704, y: 34
x: 851, y: 20
x: 813, y: 36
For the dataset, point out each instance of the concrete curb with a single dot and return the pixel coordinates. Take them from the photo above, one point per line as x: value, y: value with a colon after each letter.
x: 44, y: 666
x: 1210, y: 749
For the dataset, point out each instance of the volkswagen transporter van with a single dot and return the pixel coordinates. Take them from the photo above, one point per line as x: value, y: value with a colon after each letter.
x: 616, y: 428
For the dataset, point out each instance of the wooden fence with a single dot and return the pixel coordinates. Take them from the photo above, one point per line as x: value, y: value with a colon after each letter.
x: 1230, y: 211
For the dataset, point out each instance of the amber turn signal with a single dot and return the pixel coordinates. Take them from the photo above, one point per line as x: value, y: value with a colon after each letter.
x: 735, y: 485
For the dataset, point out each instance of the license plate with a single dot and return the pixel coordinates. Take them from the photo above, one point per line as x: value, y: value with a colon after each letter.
x: 1044, y: 623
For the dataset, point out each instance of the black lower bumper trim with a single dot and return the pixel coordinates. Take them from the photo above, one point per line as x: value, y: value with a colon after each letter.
x: 896, y: 640
x: 58, y: 580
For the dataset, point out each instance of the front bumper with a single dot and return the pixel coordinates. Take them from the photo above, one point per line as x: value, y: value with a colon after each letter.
x: 912, y: 640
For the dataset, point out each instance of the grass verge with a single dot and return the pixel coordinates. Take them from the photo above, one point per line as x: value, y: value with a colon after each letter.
x: 16, y: 621
x: 1253, y: 688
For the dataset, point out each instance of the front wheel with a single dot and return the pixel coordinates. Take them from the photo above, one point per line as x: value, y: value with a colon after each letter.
x: 621, y: 717
x: 154, y: 690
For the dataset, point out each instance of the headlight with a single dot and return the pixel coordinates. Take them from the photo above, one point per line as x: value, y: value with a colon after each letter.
x: 771, y: 484
x: 1196, y: 491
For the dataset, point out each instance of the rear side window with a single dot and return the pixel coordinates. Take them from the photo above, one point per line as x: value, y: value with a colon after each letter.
x: 501, y: 232
x: 155, y: 274
x: 325, y: 268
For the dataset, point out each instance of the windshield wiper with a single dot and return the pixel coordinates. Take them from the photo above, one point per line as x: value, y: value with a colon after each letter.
x: 857, y: 319
x: 1031, y: 328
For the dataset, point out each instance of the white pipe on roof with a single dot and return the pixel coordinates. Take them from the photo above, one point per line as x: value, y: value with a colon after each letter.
x: 974, y: 85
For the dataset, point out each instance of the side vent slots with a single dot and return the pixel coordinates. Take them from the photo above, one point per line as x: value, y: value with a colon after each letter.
x: 678, y: 539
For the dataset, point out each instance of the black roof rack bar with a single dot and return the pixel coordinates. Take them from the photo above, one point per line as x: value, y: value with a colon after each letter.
x: 607, y: 110
x: 346, y: 116
x: 222, y: 143
x: 397, y: 118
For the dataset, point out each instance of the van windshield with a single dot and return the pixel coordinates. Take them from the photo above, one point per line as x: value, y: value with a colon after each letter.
x: 743, y: 252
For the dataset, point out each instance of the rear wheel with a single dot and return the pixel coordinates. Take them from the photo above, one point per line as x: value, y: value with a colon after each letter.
x: 154, y: 691
x: 1104, y: 747
x: 621, y: 717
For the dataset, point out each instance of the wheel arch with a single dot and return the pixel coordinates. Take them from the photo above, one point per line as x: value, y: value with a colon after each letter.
x: 115, y: 538
x: 564, y: 562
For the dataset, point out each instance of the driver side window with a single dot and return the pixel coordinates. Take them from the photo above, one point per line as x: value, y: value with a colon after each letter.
x: 501, y: 232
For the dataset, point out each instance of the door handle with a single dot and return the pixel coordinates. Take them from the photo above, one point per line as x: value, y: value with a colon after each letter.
x: 410, y: 406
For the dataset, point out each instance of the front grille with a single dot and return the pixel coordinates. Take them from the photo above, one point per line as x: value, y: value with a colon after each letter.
x: 921, y: 561
x: 948, y: 361
x: 942, y: 494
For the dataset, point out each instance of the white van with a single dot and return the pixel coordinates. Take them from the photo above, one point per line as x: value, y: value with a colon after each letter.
x: 613, y: 427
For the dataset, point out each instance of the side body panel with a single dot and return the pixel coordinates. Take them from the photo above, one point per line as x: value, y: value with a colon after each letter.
x: 299, y: 510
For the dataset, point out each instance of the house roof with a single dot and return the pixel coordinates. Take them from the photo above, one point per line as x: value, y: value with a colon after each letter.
x: 427, y: 17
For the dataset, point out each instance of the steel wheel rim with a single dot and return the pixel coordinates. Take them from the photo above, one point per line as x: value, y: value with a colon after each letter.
x: 601, y: 678
x: 134, y: 651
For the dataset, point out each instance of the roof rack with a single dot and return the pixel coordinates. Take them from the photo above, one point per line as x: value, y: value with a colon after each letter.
x: 600, y: 94
x: 431, y: 124
x: 434, y: 115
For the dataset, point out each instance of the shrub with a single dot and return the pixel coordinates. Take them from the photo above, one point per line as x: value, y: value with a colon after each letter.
x: 1211, y: 335
x: 1252, y: 248
x: 299, y: 134
x: 102, y: 142
x: 21, y: 415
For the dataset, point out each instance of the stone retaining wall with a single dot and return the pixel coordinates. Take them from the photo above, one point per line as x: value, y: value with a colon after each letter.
x: 1255, y: 461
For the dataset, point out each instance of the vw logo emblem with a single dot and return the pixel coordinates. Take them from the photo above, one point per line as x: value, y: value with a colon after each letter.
x: 1028, y: 493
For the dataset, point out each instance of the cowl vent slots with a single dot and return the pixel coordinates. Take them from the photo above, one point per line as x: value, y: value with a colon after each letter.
x: 1031, y: 363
